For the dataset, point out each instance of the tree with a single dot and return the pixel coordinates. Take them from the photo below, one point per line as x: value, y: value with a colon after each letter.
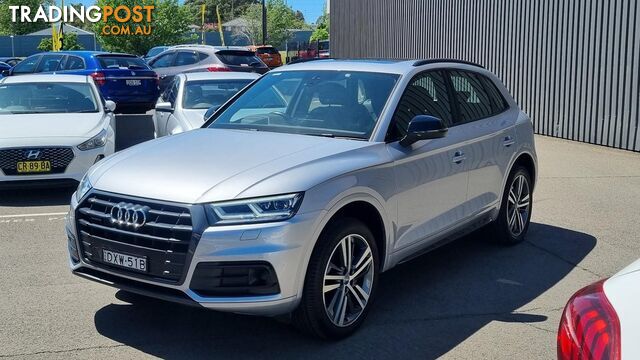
x: 70, y: 43
x: 169, y: 26
x: 322, y: 28
x: 281, y: 19
x: 229, y: 9
x: 8, y: 27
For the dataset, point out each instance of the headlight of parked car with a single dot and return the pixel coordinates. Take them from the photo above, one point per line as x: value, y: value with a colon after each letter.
x: 97, y: 141
x: 273, y: 208
x: 83, y: 187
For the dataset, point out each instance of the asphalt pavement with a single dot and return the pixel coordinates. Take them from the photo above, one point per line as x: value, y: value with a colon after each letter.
x: 467, y: 300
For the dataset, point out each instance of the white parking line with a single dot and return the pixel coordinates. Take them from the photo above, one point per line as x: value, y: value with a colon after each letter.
x: 31, y: 215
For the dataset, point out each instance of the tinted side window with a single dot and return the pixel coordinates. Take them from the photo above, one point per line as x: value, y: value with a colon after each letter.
x: 49, y: 63
x: 186, y: 58
x: 27, y: 65
x: 163, y: 61
x: 425, y: 95
x: 74, y: 63
x: 472, y: 100
x: 498, y: 102
x: 202, y: 56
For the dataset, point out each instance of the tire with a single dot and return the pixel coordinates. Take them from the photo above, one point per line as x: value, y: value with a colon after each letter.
x: 329, y: 322
x: 511, y: 227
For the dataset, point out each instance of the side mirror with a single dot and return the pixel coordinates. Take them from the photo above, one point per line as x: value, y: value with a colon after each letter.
x: 164, y: 107
x: 424, y: 127
x: 6, y: 73
x: 210, y: 112
x: 110, y: 106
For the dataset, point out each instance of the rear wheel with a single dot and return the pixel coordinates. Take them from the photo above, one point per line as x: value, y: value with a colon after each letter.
x: 340, y: 282
x: 515, y: 211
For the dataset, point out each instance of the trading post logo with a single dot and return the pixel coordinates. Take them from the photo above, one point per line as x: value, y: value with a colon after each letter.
x: 134, y: 20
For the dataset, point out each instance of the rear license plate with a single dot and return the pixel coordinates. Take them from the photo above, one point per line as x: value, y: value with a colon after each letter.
x: 134, y: 82
x: 33, y: 167
x: 125, y: 261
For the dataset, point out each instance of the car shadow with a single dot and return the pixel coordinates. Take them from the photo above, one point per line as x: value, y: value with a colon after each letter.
x: 424, y: 308
x: 132, y: 130
x: 36, y: 196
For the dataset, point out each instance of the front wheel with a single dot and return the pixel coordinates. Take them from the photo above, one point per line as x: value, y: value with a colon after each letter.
x: 515, y: 211
x: 340, y: 282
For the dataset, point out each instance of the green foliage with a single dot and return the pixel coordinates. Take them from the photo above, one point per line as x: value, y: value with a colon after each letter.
x: 70, y: 43
x: 169, y: 26
x: 229, y: 9
x: 319, y: 33
x: 281, y: 19
x: 7, y: 27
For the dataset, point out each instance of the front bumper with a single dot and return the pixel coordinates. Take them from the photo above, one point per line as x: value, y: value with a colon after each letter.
x: 285, y: 246
x: 76, y: 169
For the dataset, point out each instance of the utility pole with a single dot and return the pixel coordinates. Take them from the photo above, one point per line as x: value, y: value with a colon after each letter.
x: 264, y: 22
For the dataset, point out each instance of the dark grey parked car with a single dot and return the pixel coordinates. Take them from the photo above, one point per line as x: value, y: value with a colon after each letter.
x: 199, y: 58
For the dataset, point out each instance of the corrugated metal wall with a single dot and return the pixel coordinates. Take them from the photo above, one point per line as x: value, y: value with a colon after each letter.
x: 572, y: 65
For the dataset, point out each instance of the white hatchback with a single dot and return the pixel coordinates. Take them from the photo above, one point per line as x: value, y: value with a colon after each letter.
x: 182, y: 107
x: 52, y: 129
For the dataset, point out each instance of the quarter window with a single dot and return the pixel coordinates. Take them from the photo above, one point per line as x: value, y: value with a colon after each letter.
x: 498, y: 103
x: 425, y: 95
x: 472, y: 100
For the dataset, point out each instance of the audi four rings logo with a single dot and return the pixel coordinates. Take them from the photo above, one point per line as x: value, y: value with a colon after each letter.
x: 126, y: 214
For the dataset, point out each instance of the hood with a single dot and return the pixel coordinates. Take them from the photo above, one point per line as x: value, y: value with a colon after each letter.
x: 194, y: 117
x: 48, y: 128
x: 207, y: 165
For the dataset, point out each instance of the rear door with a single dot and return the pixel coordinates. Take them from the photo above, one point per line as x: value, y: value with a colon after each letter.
x: 242, y: 60
x: 127, y: 76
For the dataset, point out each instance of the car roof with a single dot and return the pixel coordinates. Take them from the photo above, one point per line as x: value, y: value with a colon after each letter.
x: 83, y: 53
x: 389, y: 66
x: 220, y: 76
x: 208, y: 47
x: 45, y: 78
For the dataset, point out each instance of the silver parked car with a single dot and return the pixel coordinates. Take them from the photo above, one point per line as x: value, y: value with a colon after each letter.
x: 183, y: 105
x: 305, y: 186
x: 204, y: 58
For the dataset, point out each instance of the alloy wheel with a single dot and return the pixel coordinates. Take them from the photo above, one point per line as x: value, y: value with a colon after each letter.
x: 348, y: 280
x: 518, y: 205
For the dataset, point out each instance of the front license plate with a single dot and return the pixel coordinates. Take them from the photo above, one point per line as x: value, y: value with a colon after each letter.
x: 33, y: 167
x: 123, y: 260
x: 134, y: 82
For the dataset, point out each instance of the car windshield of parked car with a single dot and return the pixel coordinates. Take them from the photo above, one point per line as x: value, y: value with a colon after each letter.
x: 323, y: 103
x: 204, y: 94
x: 47, y: 98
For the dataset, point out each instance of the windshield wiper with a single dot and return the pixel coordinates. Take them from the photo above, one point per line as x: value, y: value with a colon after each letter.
x: 334, y: 136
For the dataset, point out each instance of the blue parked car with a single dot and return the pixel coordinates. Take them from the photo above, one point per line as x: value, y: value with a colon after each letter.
x: 125, y: 79
x: 4, y: 67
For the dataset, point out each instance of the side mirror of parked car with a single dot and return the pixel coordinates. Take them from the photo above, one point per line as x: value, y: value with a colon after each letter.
x: 424, y: 127
x: 210, y: 112
x: 6, y: 73
x: 164, y: 106
x: 110, y: 106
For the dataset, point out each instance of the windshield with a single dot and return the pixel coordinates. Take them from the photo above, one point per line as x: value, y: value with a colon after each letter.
x: 208, y: 93
x: 46, y: 98
x: 321, y: 103
x: 155, y: 51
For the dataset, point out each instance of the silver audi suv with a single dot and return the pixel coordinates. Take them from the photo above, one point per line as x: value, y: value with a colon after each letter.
x: 308, y: 184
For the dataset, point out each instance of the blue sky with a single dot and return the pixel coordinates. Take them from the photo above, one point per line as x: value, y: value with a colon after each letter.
x: 312, y: 9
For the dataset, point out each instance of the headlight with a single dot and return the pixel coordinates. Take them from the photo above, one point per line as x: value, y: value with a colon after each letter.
x: 83, y: 188
x: 274, y: 208
x: 97, y: 141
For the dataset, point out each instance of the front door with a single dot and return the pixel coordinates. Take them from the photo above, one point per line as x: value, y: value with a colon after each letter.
x: 431, y: 175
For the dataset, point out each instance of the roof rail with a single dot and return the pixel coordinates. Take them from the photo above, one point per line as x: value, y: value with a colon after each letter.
x: 436, y: 61
x: 299, y: 61
x: 190, y: 45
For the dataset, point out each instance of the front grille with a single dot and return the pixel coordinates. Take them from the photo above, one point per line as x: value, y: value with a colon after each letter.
x: 60, y: 158
x: 166, y: 239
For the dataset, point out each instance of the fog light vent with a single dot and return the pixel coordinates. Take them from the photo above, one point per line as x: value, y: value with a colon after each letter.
x: 234, y: 279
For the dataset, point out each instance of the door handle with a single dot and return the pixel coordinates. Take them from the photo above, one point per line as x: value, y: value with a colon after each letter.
x: 459, y: 157
x: 508, y: 141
